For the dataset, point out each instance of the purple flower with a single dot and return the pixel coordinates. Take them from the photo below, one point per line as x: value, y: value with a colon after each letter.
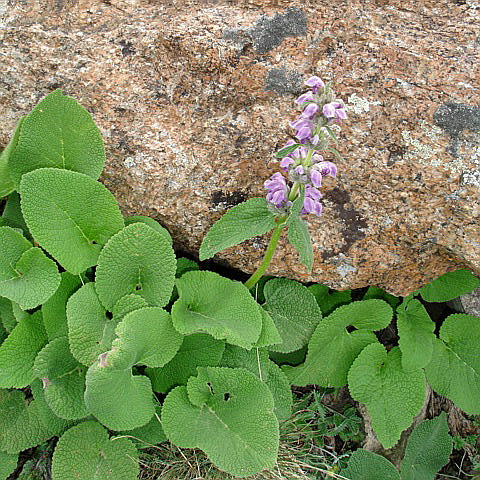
x: 299, y: 170
x: 315, y: 177
x: 286, y: 162
x: 310, y: 110
x: 311, y: 203
x: 303, y: 133
x: 335, y: 110
x: 326, y: 168
x: 277, y: 190
x: 301, y: 122
x: 315, y: 82
x: 305, y: 97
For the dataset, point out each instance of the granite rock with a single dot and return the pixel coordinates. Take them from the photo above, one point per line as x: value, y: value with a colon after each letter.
x: 193, y: 97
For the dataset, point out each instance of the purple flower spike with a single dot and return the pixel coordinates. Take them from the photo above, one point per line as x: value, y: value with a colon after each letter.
x: 315, y: 178
x: 315, y: 82
x: 312, y: 193
x: 299, y: 170
x: 277, y: 190
x: 305, y: 97
x: 311, y: 202
x: 303, y: 133
x: 335, y: 110
x: 326, y: 168
x: 286, y: 162
x: 310, y: 110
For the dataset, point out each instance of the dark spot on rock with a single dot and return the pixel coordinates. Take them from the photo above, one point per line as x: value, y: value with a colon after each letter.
x: 460, y: 2
x: 283, y: 81
x: 227, y: 200
x: 127, y: 48
x: 55, y: 85
x: 354, y: 222
x: 453, y: 118
x: 240, y: 141
x: 396, y: 152
x: 418, y: 177
x: 269, y: 32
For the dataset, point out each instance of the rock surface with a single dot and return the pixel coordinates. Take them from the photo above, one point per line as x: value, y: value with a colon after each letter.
x: 193, y: 96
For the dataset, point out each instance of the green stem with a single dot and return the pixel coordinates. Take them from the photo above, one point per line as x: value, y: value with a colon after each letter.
x: 268, y: 254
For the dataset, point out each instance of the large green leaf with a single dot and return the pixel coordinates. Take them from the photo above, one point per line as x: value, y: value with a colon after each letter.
x: 299, y: 237
x: 294, y: 311
x: 19, y: 350
x: 393, y: 397
x: 85, y: 452
x: 197, y: 350
x: 329, y: 301
x: 415, y: 329
x: 7, y: 316
x: 26, y: 424
x: 119, y: 399
x: 63, y: 379
x: 6, y: 184
x: 8, y: 463
x: 428, y: 450
x: 333, y: 348
x: 76, y: 205
x: 59, y: 133
x: 257, y: 362
x: 246, y: 220
x: 12, y: 214
x: 54, y: 309
x: 454, y: 370
x: 269, y: 335
x: 138, y: 259
x: 90, y: 330
x: 228, y: 413
x: 210, y: 303
x: 449, y: 286
x: 365, y: 465
x: 151, y: 223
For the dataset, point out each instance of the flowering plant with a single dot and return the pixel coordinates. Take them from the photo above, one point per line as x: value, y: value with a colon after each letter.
x: 293, y: 192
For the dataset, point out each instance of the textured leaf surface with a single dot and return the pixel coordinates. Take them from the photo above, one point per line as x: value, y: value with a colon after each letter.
x: 375, y: 292
x: 6, y: 183
x: 6, y: 314
x: 12, y: 214
x: 72, y: 203
x: 246, y: 220
x: 294, y: 311
x: 151, y: 223
x: 197, y: 350
x: 299, y: 237
x: 449, y: 286
x: 454, y: 370
x: 90, y: 331
x: 228, y: 413
x: 333, y: 348
x: 8, y: 463
x: 85, y: 452
x: 329, y: 301
x: 392, y: 396
x: 128, y: 304
x: 150, y: 434
x: 59, y: 133
x: 428, y: 450
x: 415, y: 329
x: 257, y: 362
x: 25, y: 426
x: 210, y: 303
x: 63, y: 379
x: 54, y: 309
x: 18, y: 352
x: 364, y: 465
x: 138, y: 259
x: 269, y: 335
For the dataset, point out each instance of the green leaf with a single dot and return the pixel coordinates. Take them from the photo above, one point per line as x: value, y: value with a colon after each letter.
x: 415, y: 329
x: 297, y: 206
x: 151, y: 223
x: 246, y: 220
x: 8, y: 463
x: 449, y: 286
x: 90, y: 330
x: 428, y: 449
x: 58, y: 133
x: 197, y: 350
x: 63, y: 379
x: 18, y: 352
x: 210, y: 303
x: 454, y: 370
x: 269, y: 335
x: 294, y: 311
x: 331, y: 133
x: 150, y: 434
x: 392, y: 396
x: 54, y: 309
x: 86, y: 452
x: 328, y: 302
x: 292, y: 358
x: 119, y: 399
x: 6, y: 314
x: 12, y: 214
x: 127, y: 304
x: 299, y: 237
x: 257, y: 362
x: 286, y: 150
x: 6, y: 183
x: 138, y: 259
x: 26, y: 425
x: 83, y: 210
x: 333, y: 348
x: 365, y: 465
x: 375, y: 292
x: 228, y: 413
